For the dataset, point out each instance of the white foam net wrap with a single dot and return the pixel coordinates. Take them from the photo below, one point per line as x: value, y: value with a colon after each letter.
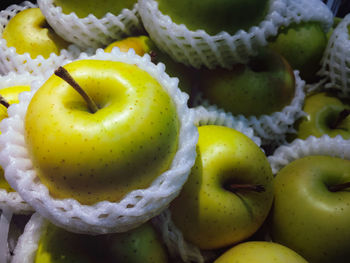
x: 172, y: 236
x: 198, y: 48
x: 103, y: 217
x: 336, y: 59
x: 12, y: 200
x: 28, y: 242
x: 270, y: 128
x: 325, y: 145
x: 90, y: 31
x: 10, y: 60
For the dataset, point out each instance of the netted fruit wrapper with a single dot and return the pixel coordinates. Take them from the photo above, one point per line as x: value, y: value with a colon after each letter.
x: 325, y: 145
x: 12, y: 201
x: 91, y: 31
x: 103, y: 217
x: 10, y: 60
x: 336, y: 59
x: 178, y: 247
x: 198, y: 48
x: 272, y: 129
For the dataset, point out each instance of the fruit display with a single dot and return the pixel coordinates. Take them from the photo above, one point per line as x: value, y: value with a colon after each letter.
x: 174, y: 132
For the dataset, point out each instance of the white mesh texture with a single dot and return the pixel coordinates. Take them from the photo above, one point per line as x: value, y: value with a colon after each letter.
x: 12, y: 200
x: 270, y: 128
x: 336, y: 59
x: 28, y: 242
x: 104, y: 217
x: 20, y: 63
x: 325, y: 145
x: 197, y: 48
x: 90, y: 31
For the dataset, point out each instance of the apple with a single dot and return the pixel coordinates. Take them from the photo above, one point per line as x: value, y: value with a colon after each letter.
x: 303, y: 45
x: 229, y: 191
x: 263, y: 86
x: 9, y: 96
x: 144, y: 45
x: 260, y: 252
x: 326, y: 113
x: 29, y: 32
x: 59, y: 246
x: 312, y: 207
x: 141, y: 244
x: 216, y: 16
x: 83, y: 8
x: 128, y: 142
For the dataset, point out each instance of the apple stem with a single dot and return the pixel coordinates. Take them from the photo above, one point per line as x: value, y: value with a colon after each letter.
x: 64, y: 74
x: 342, y: 116
x: 338, y: 187
x: 246, y: 187
x: 4, y: 102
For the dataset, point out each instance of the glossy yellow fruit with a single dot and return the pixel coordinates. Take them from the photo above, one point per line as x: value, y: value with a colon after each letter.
x: 93, y: 157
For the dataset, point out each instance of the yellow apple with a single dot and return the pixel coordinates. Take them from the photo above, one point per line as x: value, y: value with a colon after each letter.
x: 260, y: 252
x: 29, y: 32
x: 124, y: 146
x: 229, y: 192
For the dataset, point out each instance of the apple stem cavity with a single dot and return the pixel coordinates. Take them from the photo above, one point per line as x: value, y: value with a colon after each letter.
x: 4, y: 102
x: 342, y: 116
x: 339, y: 187
x: 64, y: 74
x: 246, y: 187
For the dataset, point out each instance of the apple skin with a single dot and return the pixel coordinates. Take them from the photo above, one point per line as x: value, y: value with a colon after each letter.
x: 10, y: 94
x: 140, y: 44
x: 60, y: 246
x: 216, y: 16
x: 209, y: 215
x: 322, y: 110
x: 83, y: 8
x: 267, y: 82
x: 29, y: 32
x: 144, y: 45
x: 139, y: 245
x: 260, y: 252
x: 124, y: 146
x: 303, y: 46
x: 306, y: 216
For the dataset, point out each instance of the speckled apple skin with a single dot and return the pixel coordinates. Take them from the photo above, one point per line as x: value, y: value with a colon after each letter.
x: 209, y: 215
x: 307, y: 217
x: 124, y: 146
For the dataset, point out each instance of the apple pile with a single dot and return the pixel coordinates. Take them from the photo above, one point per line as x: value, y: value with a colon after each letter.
x: 153, y: 131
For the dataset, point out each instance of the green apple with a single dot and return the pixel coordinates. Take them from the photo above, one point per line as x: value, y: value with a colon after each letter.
x: 144, y: 45
x: 263, y: 86
x: 60, y: 246
x: 302, y: 45
x: 312, y: 208
x: 83, y: 8
x: 29, y: 32
x: 128, y: 142
x: 260, y: 252
x: 10, y: 94
x: 215, y: 16
x: 228, y: 193
x: 324, y: 116
x: 140, y: 245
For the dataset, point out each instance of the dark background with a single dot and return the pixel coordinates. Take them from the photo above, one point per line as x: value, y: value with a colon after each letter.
x: 343, y: 10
